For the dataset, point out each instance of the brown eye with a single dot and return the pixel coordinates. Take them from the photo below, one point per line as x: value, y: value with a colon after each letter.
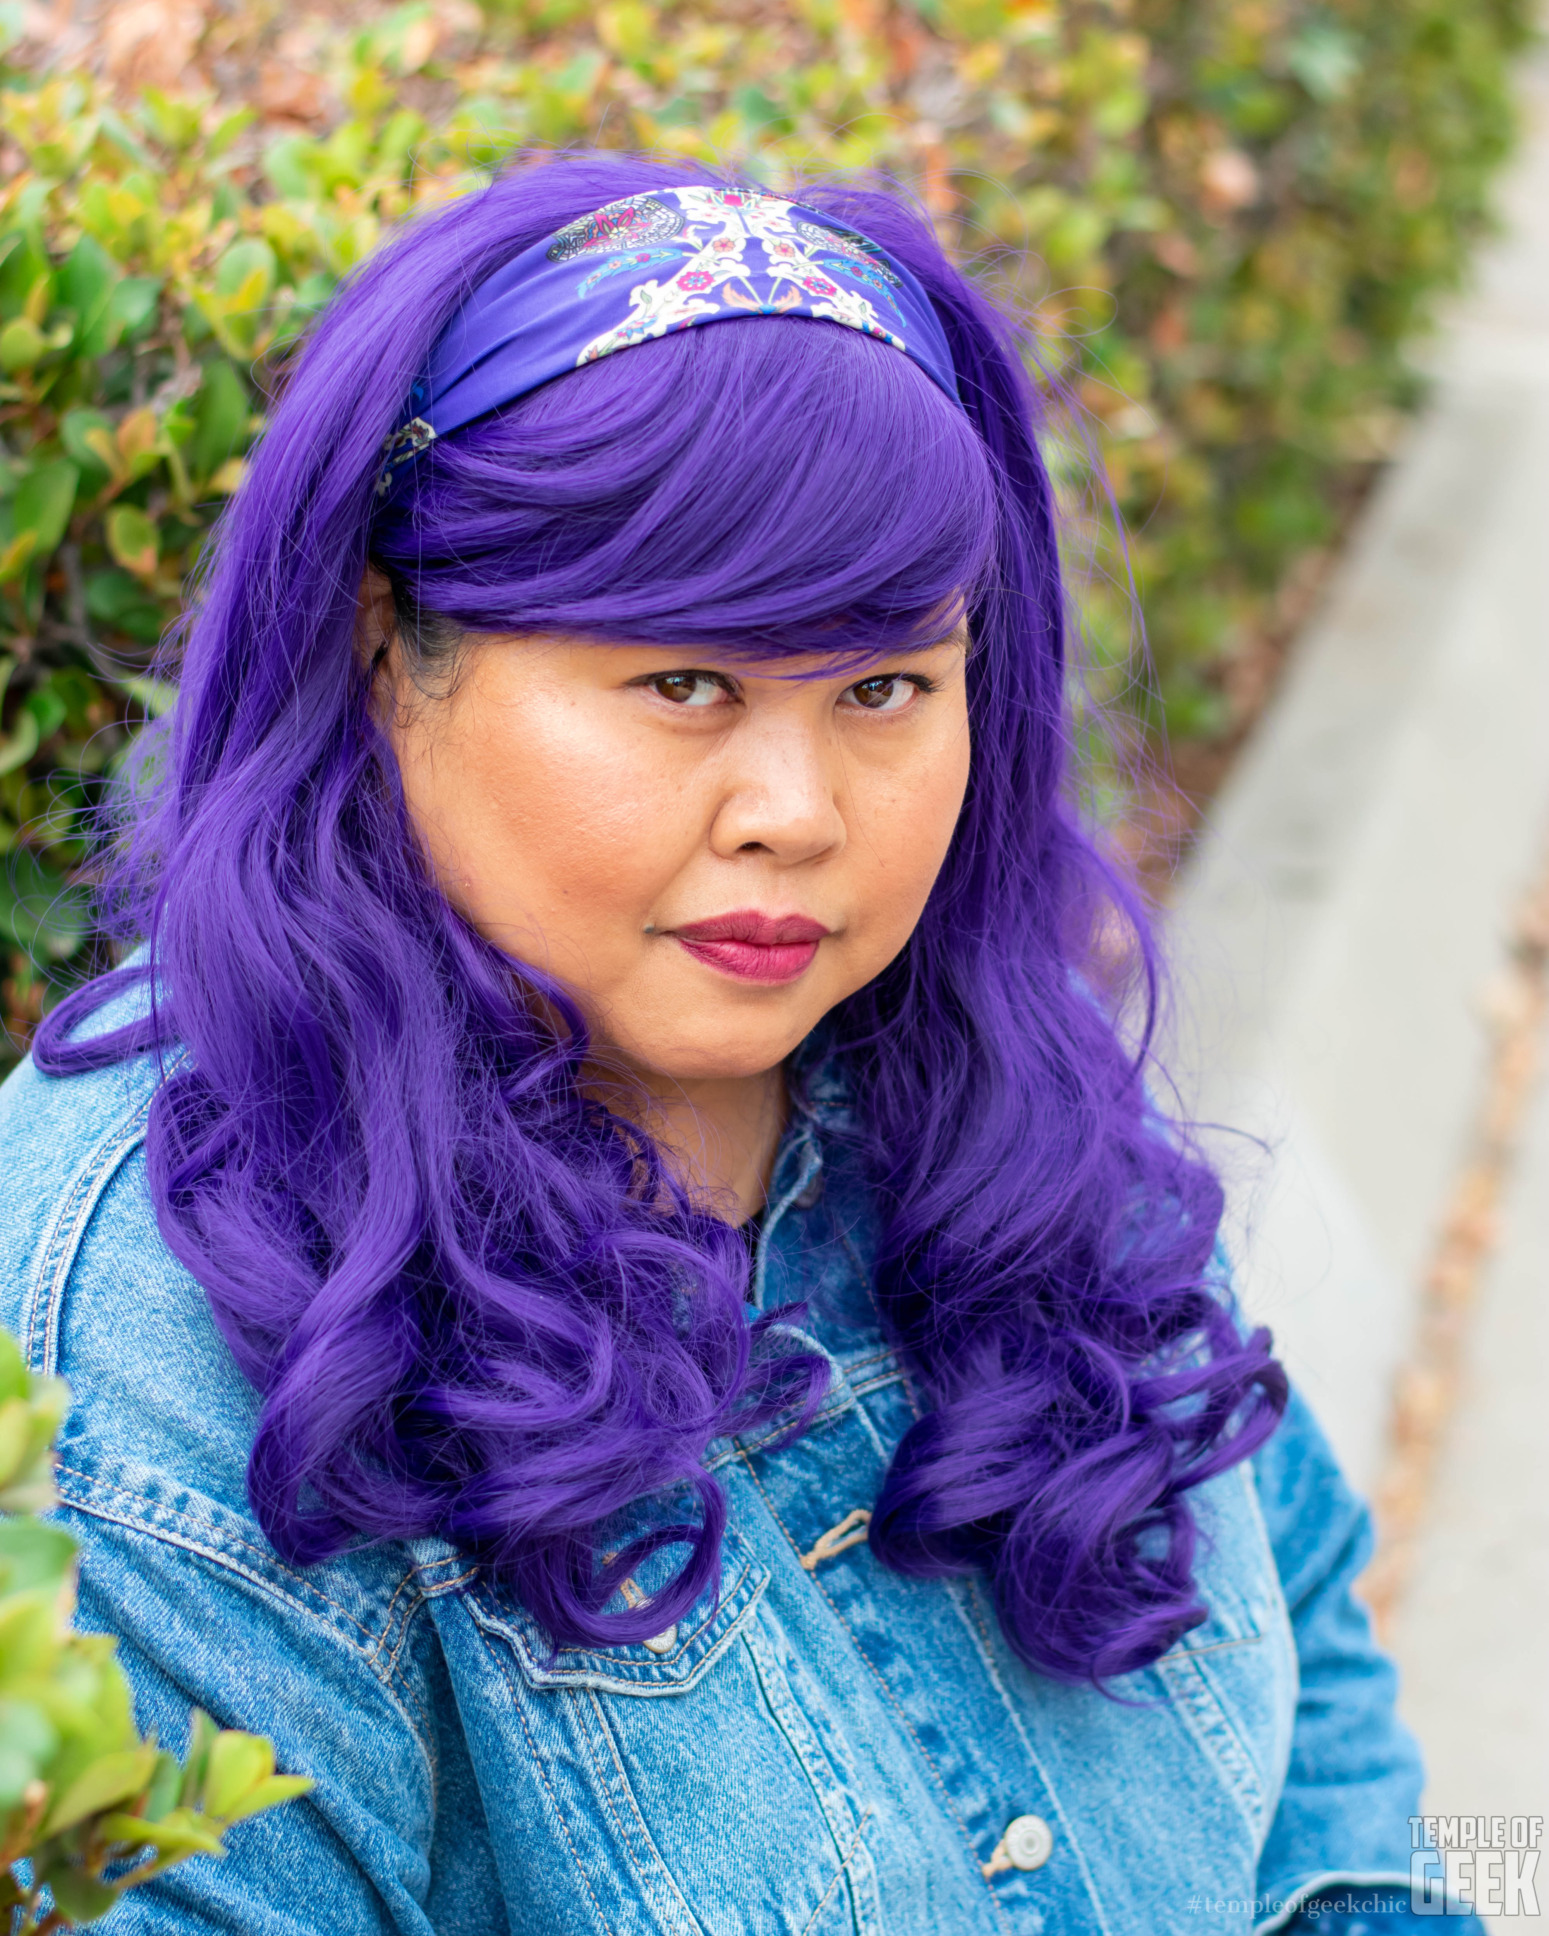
x: 887, y: 693
x: 687, y: 688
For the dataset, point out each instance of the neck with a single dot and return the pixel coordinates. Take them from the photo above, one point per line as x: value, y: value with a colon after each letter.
x: 720, y: 1134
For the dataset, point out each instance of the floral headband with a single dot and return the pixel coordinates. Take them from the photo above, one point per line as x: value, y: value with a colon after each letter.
x: 653, y: 263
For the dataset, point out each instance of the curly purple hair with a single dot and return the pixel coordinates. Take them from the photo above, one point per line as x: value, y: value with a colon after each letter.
x: 455, y: 1279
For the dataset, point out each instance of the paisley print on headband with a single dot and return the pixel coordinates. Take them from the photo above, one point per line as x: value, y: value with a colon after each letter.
x: 850, y: 243
x: 621, y: 265
x: 753, y: 254
x: 635, y: 222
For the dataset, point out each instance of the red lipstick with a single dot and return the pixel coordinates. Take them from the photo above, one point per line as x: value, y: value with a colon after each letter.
x: 751, y: 946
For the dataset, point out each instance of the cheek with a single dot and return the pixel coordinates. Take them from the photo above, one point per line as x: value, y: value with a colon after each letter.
x: 541, y: 817
x: 905, y: 817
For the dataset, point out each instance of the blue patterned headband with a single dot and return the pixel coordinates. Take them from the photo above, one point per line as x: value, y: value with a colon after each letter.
x: 653, y: 263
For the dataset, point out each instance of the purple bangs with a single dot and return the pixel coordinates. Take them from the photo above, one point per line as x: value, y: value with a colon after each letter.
x: 455, y: 1281
x: 763, y: 484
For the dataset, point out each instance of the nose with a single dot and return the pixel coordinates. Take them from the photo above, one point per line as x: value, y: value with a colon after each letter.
x: 782, y: 792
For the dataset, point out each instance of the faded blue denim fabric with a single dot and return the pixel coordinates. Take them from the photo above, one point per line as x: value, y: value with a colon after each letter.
x: 827, y: 1748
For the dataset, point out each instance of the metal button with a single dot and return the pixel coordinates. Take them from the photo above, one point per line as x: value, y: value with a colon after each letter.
x: 1028, y: 1842
x: 663, y: 1643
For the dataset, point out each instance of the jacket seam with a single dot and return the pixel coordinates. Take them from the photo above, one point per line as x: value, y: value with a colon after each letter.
x: 183, y: 1531
x: 1184, y: 1652
x: 839, y: 1874
x: 503, y: 1668
x: 797, y: 1731
x: 215, y: 1557
x: 421, y: 1599
x: 1343, y: 1878
x: 893, y: 1701
x: 603, y: 1663
x: 1206, y: 1718
x: 649, y: 1885
x: 62, y: 1239
x: 878, y: 1381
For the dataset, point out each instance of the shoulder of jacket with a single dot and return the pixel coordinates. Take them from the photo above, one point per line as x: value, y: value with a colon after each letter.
x: 161, y: 1421
x: 61, y: 1140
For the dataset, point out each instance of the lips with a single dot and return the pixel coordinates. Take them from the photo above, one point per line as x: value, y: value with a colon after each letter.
x: 751, y: 946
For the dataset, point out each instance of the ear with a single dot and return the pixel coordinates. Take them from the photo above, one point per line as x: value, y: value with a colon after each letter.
x: 376, y: 621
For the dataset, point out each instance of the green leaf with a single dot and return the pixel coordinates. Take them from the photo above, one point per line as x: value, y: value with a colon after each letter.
x: 73, y: 691
x: 40, y: 912
x: 155, y: 695
x: 201, y: 1737
x: 289, y: 163
x: 1325, y: 59
x: 238, y: 1763
x: 18, y: 1771
x: 21, y: 266
x: 134, y: 303
x: 133, y: 539
x: 27, y: 1740
x: 47, y: 706
x: 15, y: 1436
x: 97, y: 457
x: 246, y: 270
x: 123, y: 602
x: 29, y: 1625
x: 43, y: 502
x: 221, y: 426
x: 180, y: 1832
x: 110, y: 1779
x: 227, y: 129
x: 174, y: 123
x: 269, y: 1794
x: 13, y: 1366
x: 22, y: 345
x: 31, y: 1491
x: 161, y: 1796
x: 79, y: 1896
x: 16, y: 750
x: 86, y: 283
x: 33, y: 1555
x: 314, y: 290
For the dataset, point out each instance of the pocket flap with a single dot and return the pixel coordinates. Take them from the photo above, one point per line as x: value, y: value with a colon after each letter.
x: 669, y: 1663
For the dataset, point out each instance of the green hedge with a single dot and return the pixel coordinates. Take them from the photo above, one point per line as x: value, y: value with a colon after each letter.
x: 1225, y: 217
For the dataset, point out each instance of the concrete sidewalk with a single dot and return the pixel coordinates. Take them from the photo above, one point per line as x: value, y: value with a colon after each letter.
x: 1472, y: 1635
x: 1337, y: 937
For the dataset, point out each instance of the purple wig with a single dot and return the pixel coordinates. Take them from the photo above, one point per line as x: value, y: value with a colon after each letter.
x: 449, y: 1273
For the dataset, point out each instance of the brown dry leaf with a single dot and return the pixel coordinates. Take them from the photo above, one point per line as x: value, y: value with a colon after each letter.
x: 1422, y: 1398
x: 1175, y: 252
x: 290, y: 93
x: 1170, y: 331
x: 1228, y: 181
x: 151, y: 43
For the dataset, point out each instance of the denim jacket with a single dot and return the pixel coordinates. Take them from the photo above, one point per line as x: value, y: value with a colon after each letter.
x: 825, y: 1746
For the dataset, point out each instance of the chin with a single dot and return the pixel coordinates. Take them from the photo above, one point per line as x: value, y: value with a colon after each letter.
x: 728, y: 1057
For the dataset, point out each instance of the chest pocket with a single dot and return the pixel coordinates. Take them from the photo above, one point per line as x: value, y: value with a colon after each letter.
x: 644, y: 1757
x: 669, y: 1663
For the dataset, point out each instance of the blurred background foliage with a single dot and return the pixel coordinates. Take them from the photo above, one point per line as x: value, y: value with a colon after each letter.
x: 1224, y: 220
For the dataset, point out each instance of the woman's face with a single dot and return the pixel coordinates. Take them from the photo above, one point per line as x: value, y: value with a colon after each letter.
x: 711, y: 854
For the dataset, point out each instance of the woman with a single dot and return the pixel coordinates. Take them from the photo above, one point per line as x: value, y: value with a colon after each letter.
x: 625, y: 1298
